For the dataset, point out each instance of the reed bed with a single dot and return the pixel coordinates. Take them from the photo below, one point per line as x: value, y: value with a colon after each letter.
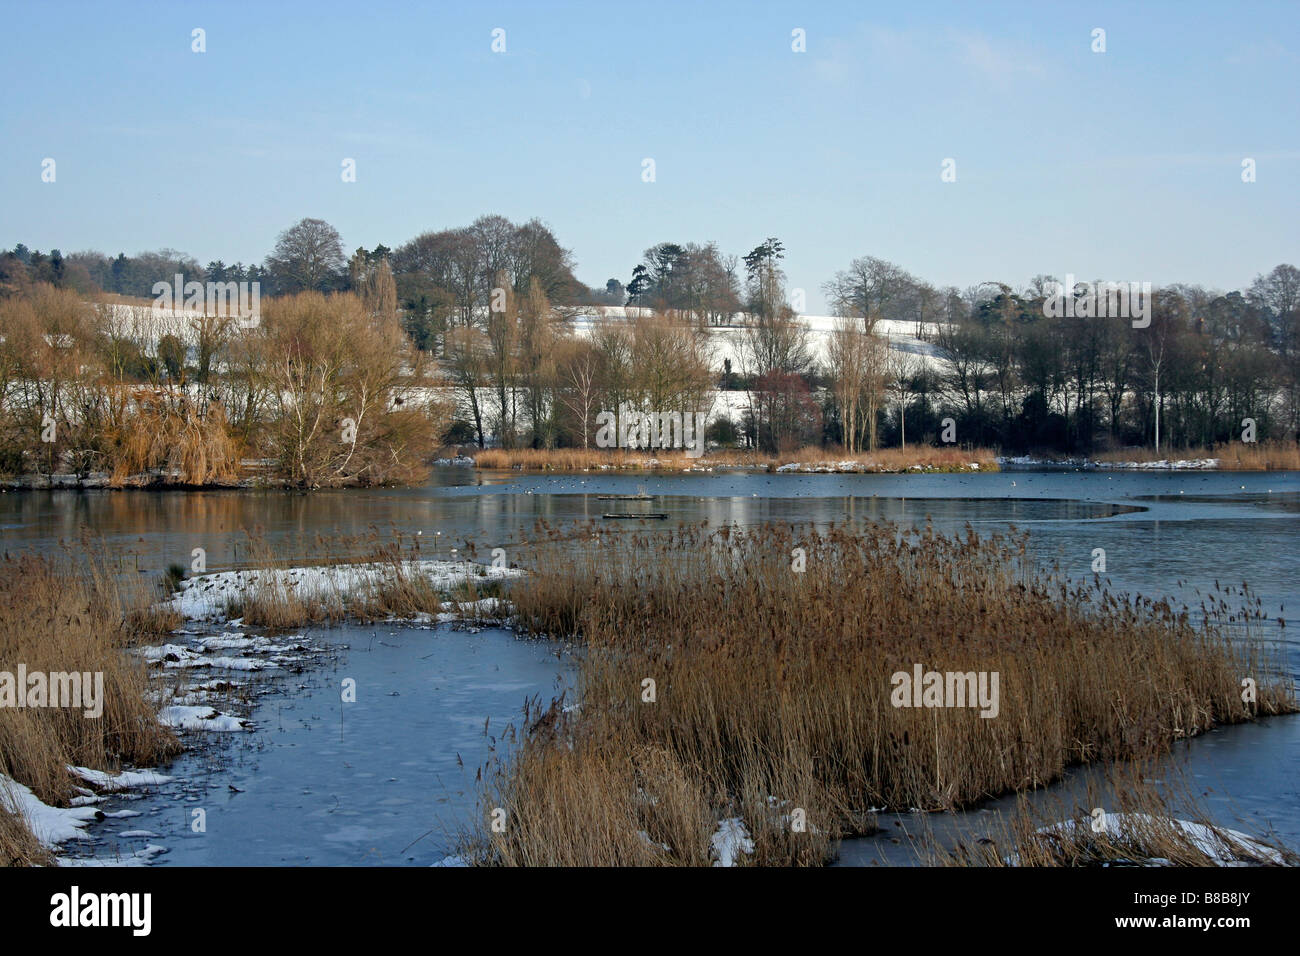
x: 64, y: 613
x: 1124, y: 819
x: 886, y: 460
x: 18, y: 845
x: 772, y: 687
x: 186, y: 445
x: 1235, y: 456
x: 390, y: 585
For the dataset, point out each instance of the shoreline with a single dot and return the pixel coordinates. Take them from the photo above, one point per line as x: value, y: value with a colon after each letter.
x: 891, y: 461
x: 233, y: 663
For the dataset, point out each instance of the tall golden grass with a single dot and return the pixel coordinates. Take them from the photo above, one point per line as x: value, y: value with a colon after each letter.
x: 18, y: 845
x: 593, y: 459
x: 394, y: 587
x: 773, y: 687
x: 190, y: 446
x: 1151, y: 828
x: 1234, y: 456
x: 61, y: 614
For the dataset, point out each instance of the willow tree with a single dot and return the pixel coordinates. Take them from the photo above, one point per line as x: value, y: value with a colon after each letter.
x: 346, y: 395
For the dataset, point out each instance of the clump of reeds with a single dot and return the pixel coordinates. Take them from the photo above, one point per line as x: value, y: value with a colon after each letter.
x: 269, y: 597
x: 18, y: 845
x: 924, y: 457
x: 64, y: 613
x: 947, y: 458
x: 365, y: 578
x: 772, y: 686
x: 1127, y: 820
x: 166, y: 432
x: 582, y: 459
x: 1232, y: 456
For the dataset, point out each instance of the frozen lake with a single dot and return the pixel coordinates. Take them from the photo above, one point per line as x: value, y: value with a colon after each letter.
x: 379, y: 781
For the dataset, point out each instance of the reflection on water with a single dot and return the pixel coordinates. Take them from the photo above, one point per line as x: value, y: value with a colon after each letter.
x: 1164, y: 534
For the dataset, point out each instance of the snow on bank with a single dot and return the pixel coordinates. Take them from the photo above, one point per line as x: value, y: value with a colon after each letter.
x: 1222, y: 846
x: 485, y: 609
x: 142, y: 857
x: 110, y: 782
x: 177, y: 656
x: 205, y: 598
x: 1164, y: 464
x: 185, y: 717
x: 52, y: 826
x: 730, y: 841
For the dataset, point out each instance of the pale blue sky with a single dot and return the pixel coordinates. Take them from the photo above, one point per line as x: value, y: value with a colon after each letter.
x: 1124, y: 165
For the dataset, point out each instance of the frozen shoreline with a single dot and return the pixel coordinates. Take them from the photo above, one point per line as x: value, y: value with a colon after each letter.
x: 1092, y: 464
x: 207, y: 705
x: 205, y: 597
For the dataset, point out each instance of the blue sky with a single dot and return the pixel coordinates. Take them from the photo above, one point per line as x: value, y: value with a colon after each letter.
x: 1123, y: 165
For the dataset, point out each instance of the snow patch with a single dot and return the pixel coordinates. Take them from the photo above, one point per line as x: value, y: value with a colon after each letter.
x: 141, y: 857
x: 205, y: 598
x: 125, y: 780
x: 1223, y: 846
x: 730, y: 841
x: 52, y: 826
x: 181, y: 717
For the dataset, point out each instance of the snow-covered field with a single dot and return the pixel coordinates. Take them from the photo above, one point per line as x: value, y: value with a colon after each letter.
x: 727, y: 340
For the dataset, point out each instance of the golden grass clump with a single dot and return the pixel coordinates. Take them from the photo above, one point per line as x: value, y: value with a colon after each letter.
x: 18, y: 845
x: 363, y: 578
x: 1233, y: 456
x: 772, y: 687
x: 1123, y: 820
x: 165, y: 431
x: 64, y: 614
x: 888, y: 460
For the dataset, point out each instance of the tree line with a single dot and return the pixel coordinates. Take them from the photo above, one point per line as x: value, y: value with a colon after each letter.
x: 494, y: 318
x: 323, y: 390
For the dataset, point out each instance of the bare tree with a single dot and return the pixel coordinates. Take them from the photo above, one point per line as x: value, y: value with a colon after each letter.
x: 903, y: 369
x: 870, y: 289
x: 466, y: 359
x: 579, y: 386
x: 847, y: 366
x: 308, y: 255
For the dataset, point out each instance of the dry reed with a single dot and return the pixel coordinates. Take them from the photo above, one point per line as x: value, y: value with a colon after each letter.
x: 886, y: 460
x: 1124, y: 820
x: 64, y: 613
x: 773, y: 687
x: 1234, y: 456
